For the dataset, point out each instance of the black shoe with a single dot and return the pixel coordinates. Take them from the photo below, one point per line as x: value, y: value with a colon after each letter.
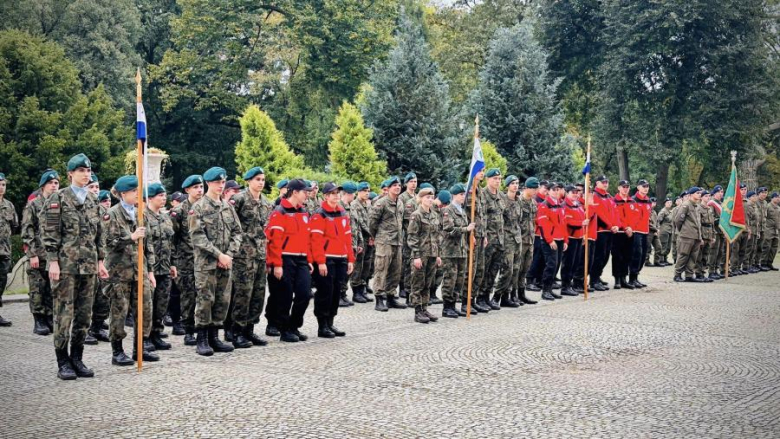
x: 434, y: 300
x: 335, y: 330
x: 82, y: 371
x: 773, y: 268
x: 158, y: 342
x: 618, y: 284
x: 637, y: 283
x: 249, y: 334
x: 357, y: 295
x: 449, y: 311
x: 557, y: 296
x: 701, y: 278
x: 90, y: 340
x: 323, y: 330
x: 364, y: 295
x: 578, y: 287
x: 464, y: 310
x: 103, y: 324
x: 420, y: 316
x: 203, y: 347
x: 272, y: 331
x: 556, y: 286
x: 118, y: 356
x: 65, y: 369
x: 344, y: 302
x: 189, y: 338
x: 764, y: 268
x: 39, y: 326
x: 568, y: 291
x: 678, y: 278
x: 392, y: 302
x: 508, y: 302
x: 403, y: 294
x: 494, y: 303
x: 602, y: 283
x: 167, y: 320
x: 533, y: 287
x: 148, y: 345
x: 96, y: 332
x: 626, y: 284
x: 547, y: 294
x: 430, y: 316
x: 129, y: 321
x: 301, y: 336
x: 229, y: 334
x: 146, y: 355
x: 480, y: 306
x: 461, y: 311
x: 239, y: 339
x: 693, y: 279
x: 178, y: 329
x: 216, y: 343
x: 380, y: 304
x: 524, y: 298
x: 289, y: 337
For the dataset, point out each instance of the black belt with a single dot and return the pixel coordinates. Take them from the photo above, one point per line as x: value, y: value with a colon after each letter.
x: 706, y: 225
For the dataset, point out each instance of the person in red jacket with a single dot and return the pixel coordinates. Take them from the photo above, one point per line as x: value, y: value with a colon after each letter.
x: 623, y: 240
x: 575, y: 230
x: 331, y: 247
x: 643, y: 208
x: 534, y: 276
x: 592, y: 232
x: 552, y: 229
x: 606, y: 227
x: 288, y: 263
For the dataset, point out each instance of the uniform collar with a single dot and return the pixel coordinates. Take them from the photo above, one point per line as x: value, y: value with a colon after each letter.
x: 79, y: 192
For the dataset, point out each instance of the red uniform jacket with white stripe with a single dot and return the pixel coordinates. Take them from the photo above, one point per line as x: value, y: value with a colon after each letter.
x: 626, y: 212
x: 643, y: 208
x: 331, y: 235
x: 288, y: 233
x: 539, y: 201
x: 606, y: 211
x: 575, y: 215
x: 551, y: 221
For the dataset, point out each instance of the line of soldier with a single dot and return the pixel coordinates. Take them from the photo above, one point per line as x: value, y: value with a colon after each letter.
x: 215, y: 251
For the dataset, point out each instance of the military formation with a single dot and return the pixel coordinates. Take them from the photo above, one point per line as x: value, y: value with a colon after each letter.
x: 220, y: 255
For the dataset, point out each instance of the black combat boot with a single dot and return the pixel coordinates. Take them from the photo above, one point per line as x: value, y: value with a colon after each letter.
x: 158, y: 342
x: 40, y: 326
x: 147, y: 355
x: 449, y: 311
x: 434, y: 300
x: 547, y: 293
x: 428, y: 314
x: 533, y: 286
x: 178, y: 329
x: 369, y: 290
x: 90, y: 340
x: 239, y: 339
x: 578, y: 286
x: 567, y: 290
x: 524, y: 298
x: 365, y: 293
x: 82, y: 371
x: 272, y: 331
x: 495, y: 300
x: 289, y: 337
x: 335, y: 330
x: 380, y: 304
x: 65, y: 369
x: 167, y: 320
x: 96, y: 331
x: 464, y: 308
x: 618, y: 284
x: 552, y: 292
x: 344, y: 301
x: 203, y: 347
x: 301, y: 336
x: 625, y: 284
x: 481, y: 304
x: 419, y: 315
x: 249, y: 333
x: 506, y: 300
x: 189, y: 336
x: 357, y: 295
x: 229, y: 333
x: 215, y: 342
x: 323, y: 330
x: 118, y: 356
x: 638, y: 283
x: 392, y: 302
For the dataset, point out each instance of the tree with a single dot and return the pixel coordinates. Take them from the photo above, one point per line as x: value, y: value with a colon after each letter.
x: 493, y: 159
x: 263, y: 145
x: 352, y: 153
x: 408, y: 106
x: 516, y: 102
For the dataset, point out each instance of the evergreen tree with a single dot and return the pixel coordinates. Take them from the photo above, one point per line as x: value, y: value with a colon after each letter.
x: 493, y: 159
x: 352, y: 152
x: 408, y: 107
x: 516, y: 103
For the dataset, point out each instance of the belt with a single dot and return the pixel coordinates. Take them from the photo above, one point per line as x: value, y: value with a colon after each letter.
x: 706, y: 225
x: 293, y: 254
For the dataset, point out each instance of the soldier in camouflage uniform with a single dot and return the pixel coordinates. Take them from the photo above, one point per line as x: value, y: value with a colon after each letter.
x: 423, y: 241
x: 215, y: 232
x: 665, y: 228
x: 122, y: 235
x: 481, y: 241
x: 249, y: 277
x: 358, y: 214
x: 409, y: 207
x: 72, y: 234
x: 37, y: 276
x: 456, y: 230
x: 739, y: 246
x: 678, y: 202
x: 506, y: 290
x: 717, y: 257
x: 101, y: 306
x: 527, y: 224
x: 494, y: 252
x: 183, y: 257
x: 653, y: 238
x: 754, y: 222
x: 9, y: 222
x: 707, y: 218
x: 771, y: 233
x: 410, y: 183
x: 687, y: 222
x: 160, y: 237
x: 442, y: 199
x: 385, y: 224
x: 347, y: 196
x: 761, y: 207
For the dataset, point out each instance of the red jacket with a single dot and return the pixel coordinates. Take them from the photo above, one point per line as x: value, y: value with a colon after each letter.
x: 643, y: 208
x: 626, y: 212
x: 288, y: 233
x: 575, y: 215
x: 551, y: 221
x: 331, y: 235
x: 539, y: 201
x: 606, y: 211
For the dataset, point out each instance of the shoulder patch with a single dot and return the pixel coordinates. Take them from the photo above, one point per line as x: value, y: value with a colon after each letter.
x: 232, y: 201
x: 173, y: 213
x: 191, y: 212
x: 54, y: 205
x: 106, y: 217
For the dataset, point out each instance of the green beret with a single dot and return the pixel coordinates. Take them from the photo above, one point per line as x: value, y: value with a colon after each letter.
x: 48, y: 176
x: 427, y: 186
x: 155, y: 189
x: 445, y: 197
x: 252, y: 173
x: 510, y: 179
x: 385, y: 184
x: 214, y: 174
x: 532, y: 183
x: 192, y: 180
x: 458, y: 188
x: 2, y: 176
x: 492, y: 172
x: 79, y: 161
x: 282, y: 184
x: 93, y: 178
x: 363, y: 186
x: 104, y: 195
x: 126, y: 183
x: 349, y: 187
x: 393, y: 180
x: 372, y: 195
x: 409, y: 177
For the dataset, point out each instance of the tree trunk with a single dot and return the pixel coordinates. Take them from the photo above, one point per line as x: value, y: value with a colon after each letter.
x: 661, y: 182
x: 622, y: 159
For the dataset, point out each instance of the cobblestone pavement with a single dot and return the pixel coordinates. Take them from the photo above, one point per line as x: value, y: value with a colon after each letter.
x: 672, y: 360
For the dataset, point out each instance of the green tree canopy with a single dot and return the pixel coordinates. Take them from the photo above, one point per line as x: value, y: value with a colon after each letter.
x: 352, y: 152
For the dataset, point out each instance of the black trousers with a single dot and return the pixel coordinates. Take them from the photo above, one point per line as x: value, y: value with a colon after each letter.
x: 292, y: 290
x: 571, y: 260
x: 638, y: 253
x: 622, y: 247
x: 174, y: 303
x: 537, y: 262
x: 601, y: 255
x: 579, y: 269
x: 551, y: 258
x: 326, y: 299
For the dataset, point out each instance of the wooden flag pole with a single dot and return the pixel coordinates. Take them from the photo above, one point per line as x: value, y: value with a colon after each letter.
x: 728, y: 257
x: 139, y: 170
x: 473, y: 190
x: 587, y: 228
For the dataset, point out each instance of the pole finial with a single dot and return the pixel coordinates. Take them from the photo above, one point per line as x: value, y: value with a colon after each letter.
x: 733, y: 156
x: 476, y: 127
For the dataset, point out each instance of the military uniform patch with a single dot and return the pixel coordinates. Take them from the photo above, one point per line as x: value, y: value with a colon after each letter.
x: 173, y: 214
x: 106, y: 217
x: 191, y: 212
x: 54, y: 206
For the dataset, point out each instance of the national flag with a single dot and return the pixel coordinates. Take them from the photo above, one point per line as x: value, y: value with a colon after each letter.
x: 477, y: 162
x: 140, y: 122
x: 586, y: 169
x: 732, y: 217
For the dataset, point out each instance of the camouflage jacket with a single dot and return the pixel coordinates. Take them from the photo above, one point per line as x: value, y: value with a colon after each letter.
x: 72, y: 232
x: 357, y: 238
x: 183, y: 257
x: 214, y: 229
x: 455, y: 237
x: 527, y: 219
x: 385, y: 222
x: 707, y: 219
x: 121, y: 250
x: 31, y: 231
x: 751, y: 216
x: 9, y: 222
x: 358, y: 212
x: 653, y: 221
x: 159, y: 231
x: 494, y: 217
x: 253, y: 215
x: 423, y: 234
x: 772, y: 220
x: 762, y: 208
x: 665, y: 217
x: 512, y: 215
x: 480, y: 221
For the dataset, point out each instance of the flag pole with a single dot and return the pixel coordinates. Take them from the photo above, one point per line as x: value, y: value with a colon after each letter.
x: 139, y: 170
x: 587, y: 228
x: 728, y: 241
x: 473, y: 190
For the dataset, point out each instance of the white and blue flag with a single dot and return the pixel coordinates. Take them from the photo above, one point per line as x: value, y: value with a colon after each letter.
x: 140, y: 127
x: 586, y: 169
x: 477, y: 162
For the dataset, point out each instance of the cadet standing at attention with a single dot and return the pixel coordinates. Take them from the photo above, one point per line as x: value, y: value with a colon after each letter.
x: 494, y: 217
x: 772, y: 232
x: 456, y: 230
x: 101, y: 306
x: 408, y: 195
x: 215, y: 232
x: 423, y: 240
x: 348, y: 190
x: 665, y: 227
x: 506, y: 289
x: 160, y: 236
x: 385, y: 224
x: 687, y: 221
x: 358, y: 213
x: 527, y: 226
x: 73, y: 238
x: 707, y: 219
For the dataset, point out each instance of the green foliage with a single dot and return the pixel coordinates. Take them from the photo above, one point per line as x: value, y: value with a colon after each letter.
x: 493, y: 159
x: 352, y: 152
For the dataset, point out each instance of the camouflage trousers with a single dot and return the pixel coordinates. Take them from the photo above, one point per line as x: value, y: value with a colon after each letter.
x: 406, y: 264
x: 5, y: 267
x: 739, y: 252
x: 160, y: 298
x: 674, y: 246
x: 73, y: 295
x: 213, y: 297
x: 755, y: 250
x: 249, y: 279
x: 526, y: 259
x: 388, y: 269
x: 769, y: 250
x: 453, y: 283
x: 437, y: 280
x: 362, y: 270
x: 40, y: 290
x: 478, y: 270
x: 654, y: 247
x: 717, y: 253
x: 687, y: 254
x: 666, y: 246
x: 494, y: 258
x: 422, y: 279
x: 101, y: 306
x: 704, y: 256
x: 124, y: 302
x: 510, y: 268
x: 185, y: 282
